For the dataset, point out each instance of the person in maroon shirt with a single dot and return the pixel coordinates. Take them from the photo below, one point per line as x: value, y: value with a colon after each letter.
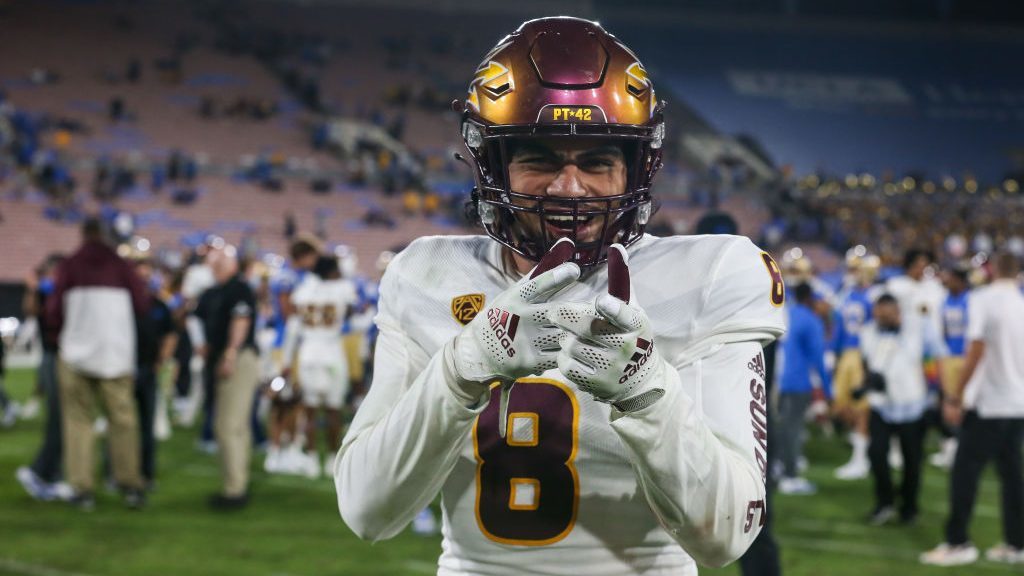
x: 96, y: 299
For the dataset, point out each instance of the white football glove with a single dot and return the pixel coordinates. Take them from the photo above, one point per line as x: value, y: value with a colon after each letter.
x: 512, y: 337
x: 608, y: 347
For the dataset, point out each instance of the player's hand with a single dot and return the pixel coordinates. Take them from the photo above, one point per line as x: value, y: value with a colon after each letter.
x: 952, y: 412
x: 819, y: 406
x: 608, y: 347
x: 512, y: 337
x: 226, y: 367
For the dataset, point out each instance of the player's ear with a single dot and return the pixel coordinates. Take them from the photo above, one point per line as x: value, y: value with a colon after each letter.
x: 618, y: 272
x: 560, y: 253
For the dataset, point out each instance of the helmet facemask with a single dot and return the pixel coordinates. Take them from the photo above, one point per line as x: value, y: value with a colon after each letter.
x: 561, y: 78
x: 517, y: 219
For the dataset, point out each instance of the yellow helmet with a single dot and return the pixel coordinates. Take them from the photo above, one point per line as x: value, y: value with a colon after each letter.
x: 868, y: 269
x: 854, y: 256
x: 796, y: 266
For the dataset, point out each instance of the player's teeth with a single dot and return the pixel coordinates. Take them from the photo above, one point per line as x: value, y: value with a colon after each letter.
x: 560, y: 218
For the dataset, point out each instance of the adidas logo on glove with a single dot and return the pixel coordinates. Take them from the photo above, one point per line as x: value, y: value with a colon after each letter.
x: 504, y: 325
x: 639, y: 358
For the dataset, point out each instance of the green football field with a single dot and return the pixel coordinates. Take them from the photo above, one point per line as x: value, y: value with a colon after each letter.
x: 292, y: 526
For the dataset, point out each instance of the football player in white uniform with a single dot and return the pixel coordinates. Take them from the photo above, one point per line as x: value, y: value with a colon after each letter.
x: 584, y: 417
x: 919, y: 289
x: 283, y: 455
x: 322, y: 302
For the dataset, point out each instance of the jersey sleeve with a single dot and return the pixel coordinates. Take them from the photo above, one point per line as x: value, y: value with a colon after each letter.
x: 243, y: 303
x: 408, y: 433
x: 700, y: 452
x: 744, y: 299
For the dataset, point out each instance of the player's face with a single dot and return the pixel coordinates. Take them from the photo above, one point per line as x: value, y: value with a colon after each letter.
x: 306, y: 261
x: 887, y: 315
x: 567, y: 168
x: 917, y: 267
x: 224, y: 268
x: 952, y: 282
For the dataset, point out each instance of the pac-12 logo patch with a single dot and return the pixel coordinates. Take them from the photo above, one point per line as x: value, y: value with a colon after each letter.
x: 466, y: 307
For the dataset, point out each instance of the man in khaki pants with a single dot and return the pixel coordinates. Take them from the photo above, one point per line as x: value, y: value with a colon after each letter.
x: 227, y: 317
x: 96, y: 299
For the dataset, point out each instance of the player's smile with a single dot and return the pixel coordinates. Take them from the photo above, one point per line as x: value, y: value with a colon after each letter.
x: 566, y: 225
x: 579, y: 169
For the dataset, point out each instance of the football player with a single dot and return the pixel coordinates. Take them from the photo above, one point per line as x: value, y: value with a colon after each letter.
x: 797, y: 268
x: 304, y: 252
x: 954, y: 327
x: 323, y: 301
x: 854, y: 311
x: 603, y: 415
x: 918, y: 288
x: 282, y: 454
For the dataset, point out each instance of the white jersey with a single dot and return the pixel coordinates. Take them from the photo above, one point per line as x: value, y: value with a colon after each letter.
x: 575, y: 487
x: 320, y: 308
x: 923, y: 298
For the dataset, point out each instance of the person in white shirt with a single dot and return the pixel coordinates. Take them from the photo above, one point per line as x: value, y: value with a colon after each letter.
x: 920, y: 292
x: 586, y: 398
x: 991, y: 389
x: 894, y: 345
x: 323, y: 300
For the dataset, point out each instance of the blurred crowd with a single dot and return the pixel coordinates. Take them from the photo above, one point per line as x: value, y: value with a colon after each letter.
x: 953, y: 219
x: 889, y: 354
x: 218, y: 339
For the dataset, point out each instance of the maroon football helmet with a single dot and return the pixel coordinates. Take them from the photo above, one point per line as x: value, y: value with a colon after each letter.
x: 561, y: 78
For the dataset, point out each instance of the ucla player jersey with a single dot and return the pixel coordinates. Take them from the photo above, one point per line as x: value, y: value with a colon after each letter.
x: 854, y: 311
x: 954, y: 322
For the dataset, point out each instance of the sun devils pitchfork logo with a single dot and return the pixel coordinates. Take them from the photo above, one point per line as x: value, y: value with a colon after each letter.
x: 492, y: 78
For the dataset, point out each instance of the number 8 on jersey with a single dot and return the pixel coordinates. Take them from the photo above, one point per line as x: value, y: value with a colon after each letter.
x: 527, y: 486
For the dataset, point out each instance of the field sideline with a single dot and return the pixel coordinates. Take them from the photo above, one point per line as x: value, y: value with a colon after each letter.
x: 292, y: 527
